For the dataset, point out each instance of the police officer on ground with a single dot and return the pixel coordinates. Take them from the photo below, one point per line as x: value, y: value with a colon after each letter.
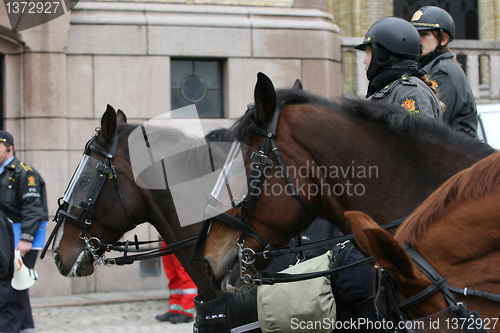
x: 437, y: 30
x: 392, y: 48
x: 23, y: 200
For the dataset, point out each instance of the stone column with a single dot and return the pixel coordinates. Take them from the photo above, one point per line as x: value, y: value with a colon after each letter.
x: 43, y: 118
x: 43, y: 126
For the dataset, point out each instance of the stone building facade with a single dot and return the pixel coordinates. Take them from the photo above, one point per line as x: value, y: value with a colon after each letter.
x: 57, y: 79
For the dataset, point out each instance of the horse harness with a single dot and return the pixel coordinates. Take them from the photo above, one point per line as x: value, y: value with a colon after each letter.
x: 246, y: 255
x: 394, y: 310
x: 106, y: 170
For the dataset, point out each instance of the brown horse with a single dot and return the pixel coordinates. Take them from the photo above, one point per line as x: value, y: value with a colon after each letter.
x: 457, y: 231
x: 110, y: 220
x: 347, y: 155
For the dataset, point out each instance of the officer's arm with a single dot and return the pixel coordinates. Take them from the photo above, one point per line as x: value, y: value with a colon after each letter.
x: 31, y: 208
x: 460, y: 111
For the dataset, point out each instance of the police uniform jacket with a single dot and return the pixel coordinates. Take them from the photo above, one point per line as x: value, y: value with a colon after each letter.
x: 23, y: 197
x: 454, y: 91
x: 413, y: 94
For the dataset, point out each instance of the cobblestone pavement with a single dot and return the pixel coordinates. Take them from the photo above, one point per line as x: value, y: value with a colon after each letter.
x: 103, y: 313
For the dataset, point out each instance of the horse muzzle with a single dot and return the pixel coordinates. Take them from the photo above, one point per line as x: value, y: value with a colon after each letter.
x: 82, y: 266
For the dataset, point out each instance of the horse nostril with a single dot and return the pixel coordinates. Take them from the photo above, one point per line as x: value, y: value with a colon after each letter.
x: 57, y: 259
x: 208, y: 269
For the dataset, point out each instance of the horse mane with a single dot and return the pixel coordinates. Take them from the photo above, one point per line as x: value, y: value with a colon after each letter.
x: 387, y: 117
x: 193, y: 154
x: 470, y: 184
x: 220, y: 135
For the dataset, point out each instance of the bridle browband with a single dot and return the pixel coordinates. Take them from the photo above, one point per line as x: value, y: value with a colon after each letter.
x: 93, y: 244
x: 395, y: 309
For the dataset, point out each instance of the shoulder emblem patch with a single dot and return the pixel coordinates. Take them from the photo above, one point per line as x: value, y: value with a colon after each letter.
x: 434, y: 84
x: 410, y: 104
x: 31, y: 181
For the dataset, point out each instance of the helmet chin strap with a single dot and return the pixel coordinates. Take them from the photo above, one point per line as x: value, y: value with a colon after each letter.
x: 439, y: 47
x: 373, y: 67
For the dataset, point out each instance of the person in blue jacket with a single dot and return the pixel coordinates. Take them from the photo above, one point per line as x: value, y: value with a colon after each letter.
x: 23, y: 200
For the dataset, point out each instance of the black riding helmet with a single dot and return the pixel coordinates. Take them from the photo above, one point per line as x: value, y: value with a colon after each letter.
x: 434, y: 18
x: 391, y: 38
x: 396, y: 35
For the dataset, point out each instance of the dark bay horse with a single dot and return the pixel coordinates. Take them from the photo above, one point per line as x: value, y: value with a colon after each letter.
x: 457, y: 230
x: 347, y: 155
x: 110, y: 219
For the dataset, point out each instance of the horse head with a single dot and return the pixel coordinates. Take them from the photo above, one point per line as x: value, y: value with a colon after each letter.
x: 109, y: 218
x: 271, y: 197
x: 391, y: 256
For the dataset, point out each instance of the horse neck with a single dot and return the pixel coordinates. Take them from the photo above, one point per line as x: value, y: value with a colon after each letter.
x: 404, y: 171
x: 164, y: 218
x: 461, y: 243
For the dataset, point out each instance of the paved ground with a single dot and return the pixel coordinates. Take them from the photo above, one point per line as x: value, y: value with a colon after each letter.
x: 104, y: 312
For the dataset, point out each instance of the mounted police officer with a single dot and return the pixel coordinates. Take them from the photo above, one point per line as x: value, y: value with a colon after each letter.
x: 393, y: 47
x: 437, y: 30
x: 22, y: 200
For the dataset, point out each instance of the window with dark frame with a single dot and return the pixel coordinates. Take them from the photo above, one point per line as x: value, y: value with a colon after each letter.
x: 199, y: 82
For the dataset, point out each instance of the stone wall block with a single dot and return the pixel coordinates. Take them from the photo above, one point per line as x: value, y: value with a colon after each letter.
x: 13, y: 90
x: 322, y: 77
x: 107, y: 39
x: 279, y: 43
x: 79, y: 131
x: 54, y: 168
x: 45, y: 133
x: 242, y: 73
x: 80, y: 86
x: 139, y: 86
x: 45, y: 85
x: 199, y: 41
x: 48, y: 37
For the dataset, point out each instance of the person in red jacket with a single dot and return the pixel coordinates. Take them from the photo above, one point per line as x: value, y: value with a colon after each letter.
x: 182, y: 292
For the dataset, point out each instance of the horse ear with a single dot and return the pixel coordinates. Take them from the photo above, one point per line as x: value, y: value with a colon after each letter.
x: 359, y: 222
x: 390, y: 255
x: 378, y: 242
x: 265, y: 100
x: 121, y: 118
x: 108, y: 125
x: 298, y: 85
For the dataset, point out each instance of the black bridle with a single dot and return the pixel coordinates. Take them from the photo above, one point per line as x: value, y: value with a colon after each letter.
x: 393, y: 309
x: 106, y: 170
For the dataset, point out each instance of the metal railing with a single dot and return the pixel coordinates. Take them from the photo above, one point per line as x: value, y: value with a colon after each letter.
x: 482, y: 65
